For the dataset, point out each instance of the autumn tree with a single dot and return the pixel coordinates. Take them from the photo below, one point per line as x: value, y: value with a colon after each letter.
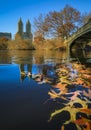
x: 53, y: 21
x: 40, y: 26
x: 65, y: 22
x: 3, y: 43
x: 38, y: 37
x: 59, y: 24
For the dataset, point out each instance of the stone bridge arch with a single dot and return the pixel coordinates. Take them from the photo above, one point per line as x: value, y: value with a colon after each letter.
x: 80, y: 38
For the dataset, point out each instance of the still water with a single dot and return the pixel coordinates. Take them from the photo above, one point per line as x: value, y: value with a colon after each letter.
x: 22, y: 98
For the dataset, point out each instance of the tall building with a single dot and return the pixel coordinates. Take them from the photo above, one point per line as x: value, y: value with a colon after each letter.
x: 24, y: 35
x: 6, y: 35
x: 20, y: 27
x: 28, y: 27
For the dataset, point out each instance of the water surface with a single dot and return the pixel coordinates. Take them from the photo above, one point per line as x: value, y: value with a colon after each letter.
x: 22, y: 100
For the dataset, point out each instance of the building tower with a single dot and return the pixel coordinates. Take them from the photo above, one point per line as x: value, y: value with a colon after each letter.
x: 28, y: 33
x: 28, y: 28
x: 24, y: 35
x: 20, y: 27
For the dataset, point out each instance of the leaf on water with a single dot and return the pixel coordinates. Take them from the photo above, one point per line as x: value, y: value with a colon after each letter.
x: 65, y: 80
x: 62, y: 128
x: 83, y: 122
x: 86, y: 111
x: 53, y: 95
x: 75, y: 94
x: 68, y: 78
x: 77, y: 100
x: 61, y: 86
x: 78, y: 81
x: 86, y: 83
x: 69, y: 109
x: 87, y: 126
x: 87, y: 94
x: 87, y: 76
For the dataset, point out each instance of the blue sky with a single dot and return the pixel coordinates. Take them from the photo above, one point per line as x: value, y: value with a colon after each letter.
x: 12, y: 10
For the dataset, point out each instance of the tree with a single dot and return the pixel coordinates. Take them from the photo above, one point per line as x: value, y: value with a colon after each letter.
x: 40, y: 26
x: 3, y: 43
x: 65, y: 22
x: 59, y: 24
x: 53, y: 21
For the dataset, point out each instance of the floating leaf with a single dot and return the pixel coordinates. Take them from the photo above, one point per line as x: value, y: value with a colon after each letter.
x: 87, y: 94
x: 75, y: 94
x: 83, y: 122
x: 62, y: 128
x: 69, y: 79
x: 65, y: 80
x: 55, y: 95
x: 77, y: 100
x: 86, y: 110
x: 69, y: 109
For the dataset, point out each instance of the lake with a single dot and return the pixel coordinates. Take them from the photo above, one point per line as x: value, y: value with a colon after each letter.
x: 24, y: 100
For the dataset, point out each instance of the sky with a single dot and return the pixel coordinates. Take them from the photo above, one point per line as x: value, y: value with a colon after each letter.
x: 12, y: 10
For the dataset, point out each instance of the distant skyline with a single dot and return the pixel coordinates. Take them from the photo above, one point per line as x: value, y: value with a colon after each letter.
x: 12, y: 10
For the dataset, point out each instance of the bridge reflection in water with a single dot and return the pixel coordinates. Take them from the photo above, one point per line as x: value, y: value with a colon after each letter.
x: 82, y: 56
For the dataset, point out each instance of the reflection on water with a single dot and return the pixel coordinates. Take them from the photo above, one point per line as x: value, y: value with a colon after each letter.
x: 82, y: 56
x: 34, y: 62
x: 22, y: 99
x: 31, y: 57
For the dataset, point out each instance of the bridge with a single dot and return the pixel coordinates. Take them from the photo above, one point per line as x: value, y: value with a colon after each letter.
x: 80, y: 38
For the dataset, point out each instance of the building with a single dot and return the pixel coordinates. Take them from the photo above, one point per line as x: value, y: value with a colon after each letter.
x: 6, y: 35
x: 21, y: 33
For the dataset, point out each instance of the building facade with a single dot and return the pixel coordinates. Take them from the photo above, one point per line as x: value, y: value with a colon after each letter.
x: 24, y: 35
x: 6, y: 35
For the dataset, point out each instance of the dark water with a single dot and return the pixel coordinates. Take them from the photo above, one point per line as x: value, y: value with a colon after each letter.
x: 22, y: 101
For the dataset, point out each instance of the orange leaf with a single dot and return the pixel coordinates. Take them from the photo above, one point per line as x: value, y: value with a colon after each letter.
x: 87, y: 111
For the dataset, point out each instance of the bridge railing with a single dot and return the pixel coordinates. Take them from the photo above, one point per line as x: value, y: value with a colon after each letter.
x: 79, y: 31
